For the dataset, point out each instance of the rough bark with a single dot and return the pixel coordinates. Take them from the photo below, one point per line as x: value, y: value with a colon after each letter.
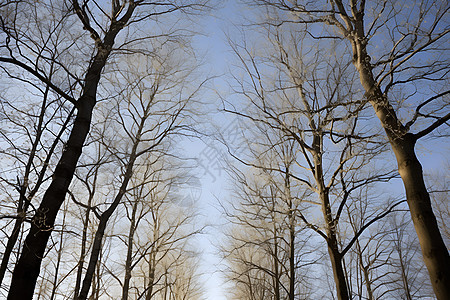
x: 27, y: 269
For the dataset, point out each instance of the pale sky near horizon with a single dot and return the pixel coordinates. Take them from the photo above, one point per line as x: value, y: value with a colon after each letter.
x: 212, y: 178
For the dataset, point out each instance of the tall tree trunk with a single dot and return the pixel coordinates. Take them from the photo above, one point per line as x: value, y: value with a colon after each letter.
x: 83, y: 245
x: 128, y: 262
x: 365, y: 271
x: 276, y: 277
x: 338, y: 270
x: 291, y: 218
x: 291, y: 254
x: 332, y: 243
x: 85, y: 229
x: 98, y: 240
x: 104, y: 218
x: 151, y: 279
x: 152, y: 255
x: 434, y: 251
x: 276, y: 268
x: 368, y: 284
x: 333, y: 251
x: 27, y: 269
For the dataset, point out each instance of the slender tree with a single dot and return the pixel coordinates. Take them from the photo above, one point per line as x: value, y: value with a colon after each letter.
x: 148, y: 122
x: 265, y: 246
x: 27, y: 269
x: 41, y: 122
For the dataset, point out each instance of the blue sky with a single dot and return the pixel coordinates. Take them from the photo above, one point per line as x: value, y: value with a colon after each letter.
x: 207, y: 151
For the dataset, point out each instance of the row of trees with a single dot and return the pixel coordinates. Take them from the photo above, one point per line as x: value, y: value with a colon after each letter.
x: 95, y: 96
x: 317, y: 171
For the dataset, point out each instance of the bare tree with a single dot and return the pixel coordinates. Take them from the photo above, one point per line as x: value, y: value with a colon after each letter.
x: 408, y: 279
x: 32, y: 129
x: 33, y: 169
x: 294, y: 90
x: 27, y: 269
x: 158, y: 239
x: 265, y: 247
x: 398, y: 50
x: 88, y: 180
x: 103, y: 25
x: 439, y: 191
x: 386, y: 261
x: 149, y: 111
x: 366, y: 263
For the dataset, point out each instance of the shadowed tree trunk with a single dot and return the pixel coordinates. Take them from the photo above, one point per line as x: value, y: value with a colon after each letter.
x: 292, y: 233
x: 332, y: 242
x: 27, y: 269
x: 151, y: 276
x: 83, y: 249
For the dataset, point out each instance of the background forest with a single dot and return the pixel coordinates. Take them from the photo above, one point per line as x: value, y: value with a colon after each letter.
x: 308, y: 115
